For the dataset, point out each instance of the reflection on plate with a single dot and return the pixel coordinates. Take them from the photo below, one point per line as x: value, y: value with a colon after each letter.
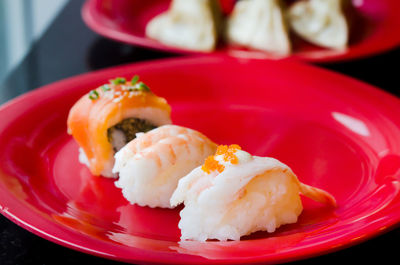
x: 126, y: 20
x: 337, y: 133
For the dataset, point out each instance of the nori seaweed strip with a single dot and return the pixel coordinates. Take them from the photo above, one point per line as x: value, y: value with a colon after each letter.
x: 130, y: 127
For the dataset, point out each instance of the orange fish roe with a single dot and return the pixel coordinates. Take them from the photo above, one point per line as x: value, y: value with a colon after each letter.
x: 229, y: 152
x: 221, y: 149
x: 211, y: 164
x: 235, y: 147
x: 228, y: 155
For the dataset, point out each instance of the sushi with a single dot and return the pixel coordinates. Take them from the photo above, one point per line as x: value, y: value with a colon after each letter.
x: 108, y: 117
x: 235, y: 194
x: 151, y: 165
x: 189, y: 24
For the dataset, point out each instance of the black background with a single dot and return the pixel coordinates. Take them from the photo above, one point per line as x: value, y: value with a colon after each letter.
x: 68, y: 48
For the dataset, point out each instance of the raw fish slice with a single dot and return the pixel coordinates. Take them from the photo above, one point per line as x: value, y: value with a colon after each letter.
x: 234, y: 194
x: 102, y: 120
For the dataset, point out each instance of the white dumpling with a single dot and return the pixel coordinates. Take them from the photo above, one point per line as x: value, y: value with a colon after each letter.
x: 321, y: 22
x: 189, y: 24
x: 259, y: 24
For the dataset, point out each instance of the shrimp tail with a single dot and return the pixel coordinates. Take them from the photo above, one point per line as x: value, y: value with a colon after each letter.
x: 317, y: 195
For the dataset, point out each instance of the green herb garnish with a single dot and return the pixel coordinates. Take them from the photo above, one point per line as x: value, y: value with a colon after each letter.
x: 134, y: 80
x: 93, y: 95
x: 105, y: 88
x: 118, y: 81
x: 142, y: 87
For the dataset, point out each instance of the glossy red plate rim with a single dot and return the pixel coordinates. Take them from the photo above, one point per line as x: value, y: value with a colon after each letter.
x: 381, y: 40
x: 22, y: 214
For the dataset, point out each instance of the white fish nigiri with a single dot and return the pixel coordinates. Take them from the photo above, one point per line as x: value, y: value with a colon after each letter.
x: 235, y: 194
x: 151, y: 165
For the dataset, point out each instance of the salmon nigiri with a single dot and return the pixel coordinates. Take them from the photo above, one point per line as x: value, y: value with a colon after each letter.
x: 234, y: 194
x: 108, y: 117
x: 151, y: 165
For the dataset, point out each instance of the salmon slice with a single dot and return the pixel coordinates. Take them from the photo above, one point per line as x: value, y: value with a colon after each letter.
x: 102, y: 108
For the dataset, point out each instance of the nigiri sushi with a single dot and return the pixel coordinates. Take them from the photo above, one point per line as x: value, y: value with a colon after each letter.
x: 108, y: 117
x: 234, y: 194
x: 151, y: 165
x: 259, y: 24
x: 190, y: 24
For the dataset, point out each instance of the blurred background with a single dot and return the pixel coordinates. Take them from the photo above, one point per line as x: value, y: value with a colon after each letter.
x: 32, y: 18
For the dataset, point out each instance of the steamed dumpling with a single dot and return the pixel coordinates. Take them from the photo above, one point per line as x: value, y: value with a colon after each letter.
x: 259, y: 24
x: 321, y: 22
x: 190, y: 24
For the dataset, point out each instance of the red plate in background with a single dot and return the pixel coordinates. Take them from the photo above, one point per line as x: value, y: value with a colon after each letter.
x: 336, y: 133
x: 374, y: 28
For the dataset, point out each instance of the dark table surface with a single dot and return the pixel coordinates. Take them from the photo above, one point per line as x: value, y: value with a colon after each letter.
x: 69, y: 48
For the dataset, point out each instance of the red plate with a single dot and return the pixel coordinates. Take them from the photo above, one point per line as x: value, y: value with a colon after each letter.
x: 374, y: 28
x: 336, y: 133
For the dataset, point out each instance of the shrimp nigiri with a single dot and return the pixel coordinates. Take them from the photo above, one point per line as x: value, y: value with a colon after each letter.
x: 235, y: 194
x: 108, y: 117
x: 151, y: 165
